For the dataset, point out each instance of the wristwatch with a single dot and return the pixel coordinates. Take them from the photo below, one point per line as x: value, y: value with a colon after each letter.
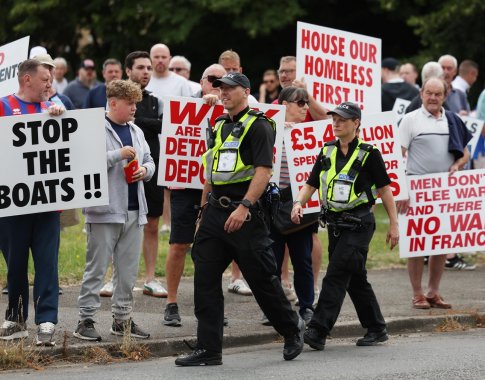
x: 246, y: 203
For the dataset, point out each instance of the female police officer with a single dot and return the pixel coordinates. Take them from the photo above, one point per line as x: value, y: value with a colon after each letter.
x: 349, y: 174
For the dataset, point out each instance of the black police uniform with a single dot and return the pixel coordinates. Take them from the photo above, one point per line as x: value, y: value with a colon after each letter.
x: 348, y: 249
x: 214, y: 248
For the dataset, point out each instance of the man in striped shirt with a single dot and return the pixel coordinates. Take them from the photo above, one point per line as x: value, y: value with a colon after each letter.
x: 38, y: 232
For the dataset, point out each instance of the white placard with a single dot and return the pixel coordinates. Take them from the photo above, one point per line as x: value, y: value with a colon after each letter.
x: 339, y: 66
x: 304, y: 142
x: 446, y: 214
x: 183, y: 139
x: 399, y: 108
x: 52, y: 163
x: 11, y: 55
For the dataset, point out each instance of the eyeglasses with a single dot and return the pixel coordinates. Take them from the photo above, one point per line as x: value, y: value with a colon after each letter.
x: 177, y: 69
x: 211, y: 78
x: 300, y: 103
x: 286, y: 72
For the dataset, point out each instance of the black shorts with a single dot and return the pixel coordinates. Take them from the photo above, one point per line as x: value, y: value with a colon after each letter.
x: 154, y: 197
x: 184, y: 208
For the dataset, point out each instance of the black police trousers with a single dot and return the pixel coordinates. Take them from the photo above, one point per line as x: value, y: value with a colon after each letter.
x: 213, y: 251
x: 346, y: 273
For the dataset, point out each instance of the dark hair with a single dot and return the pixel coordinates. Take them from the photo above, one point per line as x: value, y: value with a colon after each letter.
x: 292, y: 94
x: 130, y: 58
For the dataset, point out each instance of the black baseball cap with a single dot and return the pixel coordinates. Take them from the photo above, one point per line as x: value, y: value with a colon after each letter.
x: 347, y: 110
x: 390, y: 63
x: 87, y: 64
x: 233, y: 79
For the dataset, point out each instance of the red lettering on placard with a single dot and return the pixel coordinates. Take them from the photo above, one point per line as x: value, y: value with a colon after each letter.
x: 2, y: 57
x: 327, y: 44
x: 326, y: 93
x: 395, y: 188
x: 183, y: 171
x: 363, y: 51
x: 416, y: 226
x: 185, y: 146
x: 193, y: 115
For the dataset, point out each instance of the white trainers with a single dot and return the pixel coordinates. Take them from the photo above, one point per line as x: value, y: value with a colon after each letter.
x: 107, y: 289
x: 165, y: 229
x: 13, y: 330
x: 45, y: 334
x: 289, y: 292
x: 239, y: 287
x: 154, y: 289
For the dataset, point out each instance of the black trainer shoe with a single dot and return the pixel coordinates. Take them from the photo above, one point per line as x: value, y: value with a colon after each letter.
x: 121, y: 328
x: 294, y: 342
x: 172, y: 316
x: 5, y: 290
x: 315, y: 339
x: 458, y: 263
x: 198, y: 357
x: 85, y: 330
x: 372, y: 338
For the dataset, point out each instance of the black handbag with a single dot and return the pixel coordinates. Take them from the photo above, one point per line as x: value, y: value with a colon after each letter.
x: 281, y: 218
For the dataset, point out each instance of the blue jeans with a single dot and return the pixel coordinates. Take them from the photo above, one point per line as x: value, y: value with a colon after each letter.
x: 39, y: 233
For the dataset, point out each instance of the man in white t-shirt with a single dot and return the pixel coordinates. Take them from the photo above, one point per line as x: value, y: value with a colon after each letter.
x: 163, y: 81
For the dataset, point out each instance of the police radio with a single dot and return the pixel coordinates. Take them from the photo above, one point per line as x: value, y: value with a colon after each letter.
x: 210, y: 135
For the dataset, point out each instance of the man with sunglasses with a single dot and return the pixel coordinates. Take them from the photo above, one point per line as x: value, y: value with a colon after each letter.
x: 181, y: 66
x: 270, y: 88
x: 238, y: 166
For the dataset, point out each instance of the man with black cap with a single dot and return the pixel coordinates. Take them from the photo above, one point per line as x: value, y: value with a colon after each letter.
x: 393, y: 86
x: 238, y: 166
x: 350, y: 175
x: 78, y: 89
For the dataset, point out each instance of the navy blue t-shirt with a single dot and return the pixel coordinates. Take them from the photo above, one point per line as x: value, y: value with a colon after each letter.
x: 123, y: 132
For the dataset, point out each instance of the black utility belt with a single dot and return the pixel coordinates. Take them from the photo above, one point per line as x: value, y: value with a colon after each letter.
x: 227, y: 203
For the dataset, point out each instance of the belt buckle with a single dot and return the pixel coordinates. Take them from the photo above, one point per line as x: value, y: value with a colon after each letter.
x: 224, y: 201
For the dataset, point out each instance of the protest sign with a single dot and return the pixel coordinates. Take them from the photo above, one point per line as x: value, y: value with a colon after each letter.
x: 475, y: 126
x: 446, y: 214
x: 339, y: 66
x: 183, y: 139
x: 52, y: 163
x: 11, y: 55
x: 304, y: 142
x: 399, y: 108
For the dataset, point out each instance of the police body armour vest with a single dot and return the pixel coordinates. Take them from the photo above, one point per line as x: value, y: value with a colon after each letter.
x: 223, y: 163
x: 337, y: 190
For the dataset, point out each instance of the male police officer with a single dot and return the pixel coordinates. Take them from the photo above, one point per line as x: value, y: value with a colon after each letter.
x: 238, y: 167
x: 349, y: 174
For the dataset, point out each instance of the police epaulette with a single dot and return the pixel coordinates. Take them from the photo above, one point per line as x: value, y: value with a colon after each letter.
x: 366, y: 147
x: 256, y: 113
x: 333, y: 142
x: 223, y: 117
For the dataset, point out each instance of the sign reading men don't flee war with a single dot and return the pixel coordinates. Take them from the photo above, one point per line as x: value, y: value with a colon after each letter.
x: 183, y: 139
x: 11, y: 55
x: 52, y: 163
x: 339, y: 66
x: 304, y: 142
x: 446, y: 214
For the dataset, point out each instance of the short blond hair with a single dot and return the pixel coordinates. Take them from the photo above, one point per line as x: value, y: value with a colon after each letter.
x: 230, y: 55
x: 123, y: 89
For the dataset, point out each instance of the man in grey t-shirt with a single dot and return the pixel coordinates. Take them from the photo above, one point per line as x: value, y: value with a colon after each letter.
x: 424, y: 135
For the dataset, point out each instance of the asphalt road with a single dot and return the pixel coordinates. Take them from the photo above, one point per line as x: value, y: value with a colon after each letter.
x: 451, y: 355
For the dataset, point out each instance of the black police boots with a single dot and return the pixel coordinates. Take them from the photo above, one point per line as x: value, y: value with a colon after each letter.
x: 315, y: 339
x: 372, y: 338
x: 199, y: 356
x: 294, y: 342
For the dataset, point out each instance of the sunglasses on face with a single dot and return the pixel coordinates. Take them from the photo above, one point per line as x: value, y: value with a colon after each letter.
x: 177, y: 69
x: 211, y: 78
x: 300, y: 103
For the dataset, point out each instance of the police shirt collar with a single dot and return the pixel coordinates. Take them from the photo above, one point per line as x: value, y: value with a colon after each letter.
x: 240, y: 114
x: 352, y: 145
